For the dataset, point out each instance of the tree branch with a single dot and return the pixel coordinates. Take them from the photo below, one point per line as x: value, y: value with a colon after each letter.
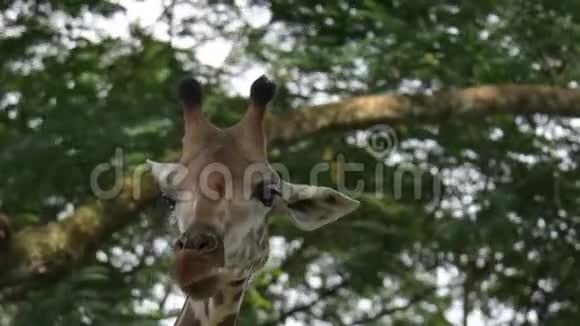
x: 365, y: 111
x: 42, y: 253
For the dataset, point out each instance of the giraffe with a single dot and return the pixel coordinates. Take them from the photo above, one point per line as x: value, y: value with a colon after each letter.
x: 223, y: 192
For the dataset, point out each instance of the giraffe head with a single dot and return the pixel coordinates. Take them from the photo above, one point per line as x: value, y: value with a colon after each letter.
x: 224, y: 191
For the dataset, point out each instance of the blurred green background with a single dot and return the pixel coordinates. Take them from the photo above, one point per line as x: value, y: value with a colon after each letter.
x: 79, y: 79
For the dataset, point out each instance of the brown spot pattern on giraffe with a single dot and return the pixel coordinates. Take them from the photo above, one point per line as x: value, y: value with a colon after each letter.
x: 219, y: 299
x: 237, y: 283
x: 231, y: 320
x: 238, y: 296
x: 188, y: 317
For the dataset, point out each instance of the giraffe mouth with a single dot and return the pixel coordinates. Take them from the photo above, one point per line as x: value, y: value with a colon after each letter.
x: 199, y: 276
x: 203, y: 288
x: 215, y: 272
x: 205, y: 285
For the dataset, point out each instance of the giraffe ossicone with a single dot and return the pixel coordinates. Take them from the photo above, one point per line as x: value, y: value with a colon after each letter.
x: 225, y: 192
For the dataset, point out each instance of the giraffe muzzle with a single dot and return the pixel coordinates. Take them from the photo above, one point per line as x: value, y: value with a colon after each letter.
x: 199, y: 258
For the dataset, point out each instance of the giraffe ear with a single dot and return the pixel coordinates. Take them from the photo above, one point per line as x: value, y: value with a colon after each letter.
x: 311, y: 207
x: 167, y: 175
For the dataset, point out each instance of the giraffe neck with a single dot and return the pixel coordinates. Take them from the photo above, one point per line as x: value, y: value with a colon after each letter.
x: 219, y: 310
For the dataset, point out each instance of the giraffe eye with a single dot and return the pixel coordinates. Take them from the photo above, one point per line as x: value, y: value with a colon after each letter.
x: 266, y: 194
x: 170, y: 201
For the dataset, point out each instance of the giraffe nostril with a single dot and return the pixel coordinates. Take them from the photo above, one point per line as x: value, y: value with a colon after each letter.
x: 204, y: 242
x: 180, y: 244
x: 200, y: 239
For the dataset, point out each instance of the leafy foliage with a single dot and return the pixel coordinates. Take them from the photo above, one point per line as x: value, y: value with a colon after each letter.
x: 504, y: 235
